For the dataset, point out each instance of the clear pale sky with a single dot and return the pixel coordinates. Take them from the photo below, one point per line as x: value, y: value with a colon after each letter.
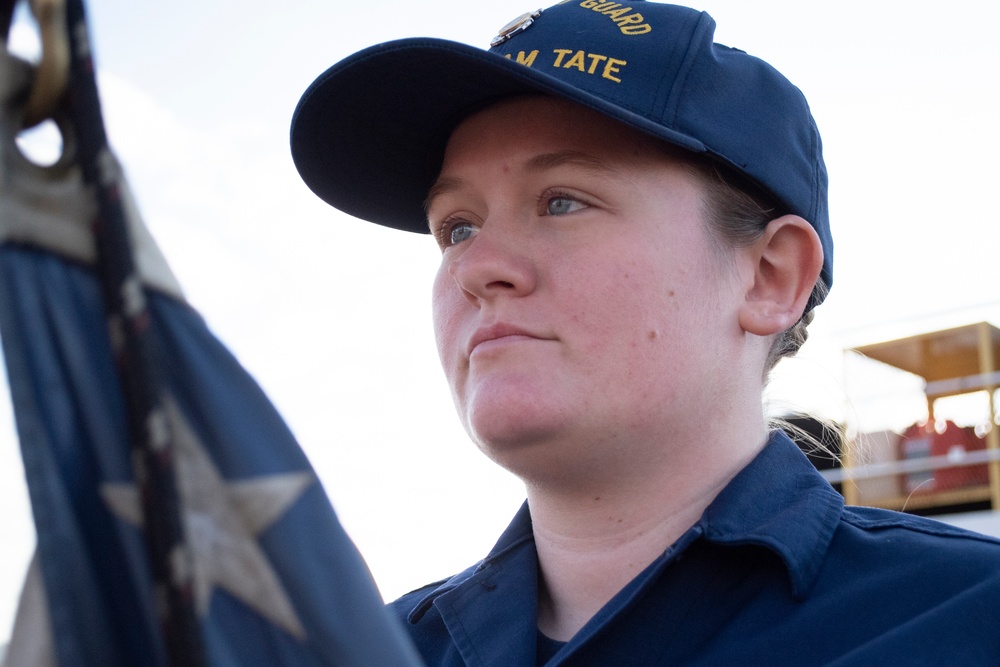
x: 331, y: 315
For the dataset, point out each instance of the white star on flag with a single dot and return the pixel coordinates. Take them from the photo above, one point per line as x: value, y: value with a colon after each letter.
x: 222, y: 520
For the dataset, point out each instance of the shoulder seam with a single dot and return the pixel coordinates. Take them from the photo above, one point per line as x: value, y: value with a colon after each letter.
x: 911, y: 523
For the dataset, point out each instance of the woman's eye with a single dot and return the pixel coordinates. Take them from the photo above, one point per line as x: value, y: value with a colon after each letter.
x: 562, y: 206
x: 455, y: 233
x: 460, y: 232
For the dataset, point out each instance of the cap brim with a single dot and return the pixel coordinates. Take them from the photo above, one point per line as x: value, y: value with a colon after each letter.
x: 369, y: 134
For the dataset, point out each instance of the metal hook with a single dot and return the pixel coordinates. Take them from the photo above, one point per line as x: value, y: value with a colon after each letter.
x: 52, y: 72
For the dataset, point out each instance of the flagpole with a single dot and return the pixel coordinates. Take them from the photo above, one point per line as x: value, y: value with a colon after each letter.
x: 129, y: 326
x: 6, y: 16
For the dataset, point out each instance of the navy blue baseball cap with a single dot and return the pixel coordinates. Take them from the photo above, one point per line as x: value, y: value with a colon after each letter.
x: 368, y: 136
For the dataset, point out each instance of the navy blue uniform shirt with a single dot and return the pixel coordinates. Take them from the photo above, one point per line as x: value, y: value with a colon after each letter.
x: 776, y: 572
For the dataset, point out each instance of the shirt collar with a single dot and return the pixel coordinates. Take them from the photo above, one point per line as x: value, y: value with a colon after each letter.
x: 517, y: 533
x: 778, y: 501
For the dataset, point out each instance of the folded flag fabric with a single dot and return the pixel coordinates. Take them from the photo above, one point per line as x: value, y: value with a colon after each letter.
x: 275, y: 579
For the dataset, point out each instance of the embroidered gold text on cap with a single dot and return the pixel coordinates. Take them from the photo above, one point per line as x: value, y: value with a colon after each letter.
x: 520, y: 24
x: 629, y: 22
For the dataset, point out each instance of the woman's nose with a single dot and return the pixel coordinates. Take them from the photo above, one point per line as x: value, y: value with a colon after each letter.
x: 496, y: 262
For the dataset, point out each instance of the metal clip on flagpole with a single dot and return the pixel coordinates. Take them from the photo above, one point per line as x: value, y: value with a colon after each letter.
x: 52, y: 72
x: 50, y: 207
x: 63, y: 88
x: 46, y: 207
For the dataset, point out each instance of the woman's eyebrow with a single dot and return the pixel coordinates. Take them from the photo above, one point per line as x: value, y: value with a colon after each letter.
x: 547, y: 161
x: 441, y: 186
x: 538, y: 163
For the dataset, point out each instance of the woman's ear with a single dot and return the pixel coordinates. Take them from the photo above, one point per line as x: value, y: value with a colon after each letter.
x: 787, y: 260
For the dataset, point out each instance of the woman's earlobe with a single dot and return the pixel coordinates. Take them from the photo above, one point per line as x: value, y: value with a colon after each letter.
x: 787, y: 260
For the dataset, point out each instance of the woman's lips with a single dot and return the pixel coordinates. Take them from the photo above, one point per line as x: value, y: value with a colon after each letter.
x: 497, y: 334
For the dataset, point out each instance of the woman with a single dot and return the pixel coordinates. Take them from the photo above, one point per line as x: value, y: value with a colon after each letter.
x: 634, y: 229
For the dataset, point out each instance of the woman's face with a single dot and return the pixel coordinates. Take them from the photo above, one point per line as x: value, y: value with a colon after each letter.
x: 580, y: 298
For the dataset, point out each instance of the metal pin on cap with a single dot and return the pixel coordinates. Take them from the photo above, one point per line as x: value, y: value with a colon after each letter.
x: 520, y: 24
